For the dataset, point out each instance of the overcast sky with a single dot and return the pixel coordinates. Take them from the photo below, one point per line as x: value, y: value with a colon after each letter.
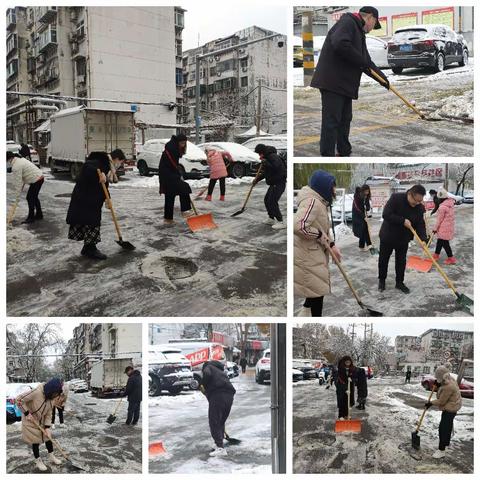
x: 227, y: 18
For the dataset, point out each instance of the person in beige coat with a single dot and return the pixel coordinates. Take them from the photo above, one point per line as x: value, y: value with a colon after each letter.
x: 59, y: 405
x: 449, y: 401
x: 311, y: 228
x: 36, y: 407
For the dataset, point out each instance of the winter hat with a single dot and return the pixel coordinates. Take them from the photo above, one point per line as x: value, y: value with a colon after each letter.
x: 442, y: 193
x: 102, y: 159
x: 322, y: 182
x: 181, y: 137
x: 442, y: 373
x: 53, y: 386
x: 260, y: 148
x: 118, y: 153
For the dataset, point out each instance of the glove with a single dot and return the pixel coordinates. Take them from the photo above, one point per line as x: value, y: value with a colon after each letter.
x: 337, y: 253
x: 428, y: 405
x: 387, y: 83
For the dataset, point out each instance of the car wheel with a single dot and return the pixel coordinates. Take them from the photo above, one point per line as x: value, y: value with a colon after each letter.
x: 397, y: 70
x: 195, y: 385
x: 439, y: 63
x: 464, y: 60
x: 237, y: 170
x: 154, y: 389
x: 261, y: 378
x: 143, y: 168
x: 75, y: 170
x: 175, y: 390
x: 321, y: 381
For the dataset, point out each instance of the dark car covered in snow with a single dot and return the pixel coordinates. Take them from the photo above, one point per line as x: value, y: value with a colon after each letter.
x: 433, y: 46
x: 169, y: 370
x: 306, y: 367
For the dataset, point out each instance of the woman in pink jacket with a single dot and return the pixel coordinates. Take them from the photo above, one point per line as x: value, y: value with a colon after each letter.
x: 445, y: 227
x: 218, y: 171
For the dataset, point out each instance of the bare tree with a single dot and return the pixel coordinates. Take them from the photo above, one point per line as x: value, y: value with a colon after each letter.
x: 462, y: 175
x: 243, y: 330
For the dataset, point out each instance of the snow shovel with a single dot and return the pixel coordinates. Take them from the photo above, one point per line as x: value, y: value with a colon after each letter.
x: 156, y: 448
x: 420, y: 264
x: 248, y: 194
x: 401, y: 97
x: 13, y: 210
x: 230, y: 440
x: 348, y: 425
x: 70, y: 464
x: 200, y: 222
x: 370, y: 311
x: 125, y: 245
x: 415, y: 435
x: 373, y: 250
x: 113, y: 416
x: 465, y: 302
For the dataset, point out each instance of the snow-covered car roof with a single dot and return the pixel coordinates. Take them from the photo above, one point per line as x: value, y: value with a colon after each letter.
x: 193, y: 151
x: 296, y: 371
x: 15, y: 389
x: 422, y: 27
x: 238, y: 152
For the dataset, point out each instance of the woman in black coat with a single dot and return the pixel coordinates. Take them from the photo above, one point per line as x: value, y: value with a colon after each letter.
x: 345, y: 374
x: 171, y: 181
x: 85, y: 211
x: 360, y: 207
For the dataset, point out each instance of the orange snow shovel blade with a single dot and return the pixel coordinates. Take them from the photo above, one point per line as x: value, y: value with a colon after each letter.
x: 420, y: 264
x: 156, y: 448
x: 201, y: 222
x: 343, y: 426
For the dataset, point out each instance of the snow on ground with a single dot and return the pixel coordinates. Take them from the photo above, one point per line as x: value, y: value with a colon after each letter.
x: 180, y: 422
x: 460, y: 106
x: 383, y: 446
x: 92, y: 443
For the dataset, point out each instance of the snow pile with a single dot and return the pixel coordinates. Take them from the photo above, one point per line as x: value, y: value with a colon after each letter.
x: 460, y: 107
x: 19, y: 240
x: 342, y: 230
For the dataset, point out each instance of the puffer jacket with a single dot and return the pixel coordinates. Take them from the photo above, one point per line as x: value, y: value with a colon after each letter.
x: 215, y: 379
x: 216, y: 164
x: 445, y: 226
x: 34, y: 402
x: 311, y: 274
x: 24, y: 172
x: 449, y: 398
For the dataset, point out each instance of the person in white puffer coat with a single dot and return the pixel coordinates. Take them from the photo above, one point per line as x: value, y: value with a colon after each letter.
x: 26, y: 173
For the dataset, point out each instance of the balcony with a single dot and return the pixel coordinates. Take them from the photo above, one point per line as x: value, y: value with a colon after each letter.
x: 12, y: 43
x: 11, y: 18
x: 47, y: 39
x: 46, y: 14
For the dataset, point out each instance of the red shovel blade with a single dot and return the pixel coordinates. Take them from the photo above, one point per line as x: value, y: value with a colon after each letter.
x: 420, y: 264
x: 156, y: 448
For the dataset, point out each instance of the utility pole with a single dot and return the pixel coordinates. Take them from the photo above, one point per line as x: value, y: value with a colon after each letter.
x: 259, y: 106
x: 308, y: 52
x: 446, y: 177
x: 197, y: 99
x: 353, y: 331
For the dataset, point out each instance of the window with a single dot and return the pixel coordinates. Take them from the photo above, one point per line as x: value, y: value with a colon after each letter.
x: 178, y: 47
x: 179, y: 77
x: 80, y: 29
x: 213, y: 106
x: 11, y: 42
x: 179, y: 19
x: 244, y: 62
x: 12, y: 68
x: 213, y: 71
x: 244, y: 82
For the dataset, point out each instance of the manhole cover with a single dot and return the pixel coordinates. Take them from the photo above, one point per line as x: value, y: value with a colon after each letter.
x: 171, y: 268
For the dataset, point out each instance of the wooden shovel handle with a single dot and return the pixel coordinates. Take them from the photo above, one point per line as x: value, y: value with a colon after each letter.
x: 398, y: 94
x: 109, y: 201
x: 437, y: 266
x: 11, y: 214
x: 118, y: 405
x: 53, y: 440
x: 420, y: 421
x: 251, y: 186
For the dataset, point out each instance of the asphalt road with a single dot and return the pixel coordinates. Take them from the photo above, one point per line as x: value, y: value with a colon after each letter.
x: 383, y: 126
x: 238, y: 269
x: 181, y: 424
x: 429, y: 294
x: 90, y: 441
x: 383, y: 446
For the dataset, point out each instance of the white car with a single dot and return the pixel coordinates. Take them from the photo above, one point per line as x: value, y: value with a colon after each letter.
x: 245, y: 162
x: 262, y: 368
x: 78, y: 386
x: 13, y: 146
x: 192, y: 165
x: 277, y: 141
x: 337, y: 208
x: 378, y: 49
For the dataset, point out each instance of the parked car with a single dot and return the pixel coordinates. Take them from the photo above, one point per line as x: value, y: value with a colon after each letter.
x: 262, y: 368
x: 79, y: 386
x: 13, y: 390
x: 306, y: 367
x: 468, y: 196
x: 245, y: 162
x: 297, y: 375
x: 378, y: 51
x: 337, y: 208
x: 169, y: 370
x: 433, y: 46
x: 466, y: 387
x: 277, y: 141
x: 192, y: 164
x: 232, y: 369
x: 13, y: 146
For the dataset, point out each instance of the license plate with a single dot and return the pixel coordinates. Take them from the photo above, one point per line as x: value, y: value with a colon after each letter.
x: 406, y: 48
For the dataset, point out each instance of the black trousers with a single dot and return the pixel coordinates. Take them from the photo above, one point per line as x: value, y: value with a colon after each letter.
x: 34, y: 207
x: 445, y: 429
x: 60, y: 414
x: 244, y: 368
x: 133, y: 413
x: 336, y: 119
x: 213, y: 181
x: 36, y: 448
x: 315, y: 305
x: 342, y: 401
x: 400, y: 260
x: 219, y: 406
x: 273, y: 195
x: 364, y: 238
x: 170, y: 204
x: 444, y: 244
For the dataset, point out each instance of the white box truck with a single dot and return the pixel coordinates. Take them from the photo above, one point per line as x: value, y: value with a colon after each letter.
x: 77, y: 131
x: 108, y: 378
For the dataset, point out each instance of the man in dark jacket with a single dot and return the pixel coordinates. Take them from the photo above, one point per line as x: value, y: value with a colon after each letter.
x: 25, y: 151
x: 219, y: 391
x: 362, y: 388
x: 170, y: 177
x: 133, y: 392
x: 274, y: 171
x: 401, y: 212
x: 243, y: 364
x: 343, y: 59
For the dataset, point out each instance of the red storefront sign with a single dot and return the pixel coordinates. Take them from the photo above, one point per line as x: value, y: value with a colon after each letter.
x: 218, y: 337
x: 199, y: 356
x: 257, y: 345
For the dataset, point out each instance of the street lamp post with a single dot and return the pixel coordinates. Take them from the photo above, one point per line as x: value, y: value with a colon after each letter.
x: 199, y: 58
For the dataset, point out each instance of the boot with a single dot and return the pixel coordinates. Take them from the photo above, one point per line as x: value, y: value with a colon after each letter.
x: 402, y: 287
x: 40, y: 465
x: 222, y: 198
x: 436, y: 256
x: 39, y: 215
x: 91, y: 251
x: 208, y: 198
x: 381, y: 285
x: 29, y: 219
x: 168, y: 221
x: 450, y: 261
x: 53, y: 459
